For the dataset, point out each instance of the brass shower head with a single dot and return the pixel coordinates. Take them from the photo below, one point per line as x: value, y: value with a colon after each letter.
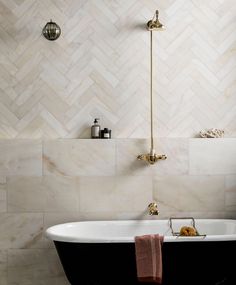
x: 155, y: 24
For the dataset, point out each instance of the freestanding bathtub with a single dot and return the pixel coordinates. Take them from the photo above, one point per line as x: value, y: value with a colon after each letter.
x: 103, y: 252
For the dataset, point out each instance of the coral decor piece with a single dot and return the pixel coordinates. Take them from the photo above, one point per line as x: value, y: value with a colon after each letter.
x: 212, y: 133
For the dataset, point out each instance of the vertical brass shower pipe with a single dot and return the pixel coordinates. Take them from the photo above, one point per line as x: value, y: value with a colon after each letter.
x: 151, y: 96
x: 152, y: 157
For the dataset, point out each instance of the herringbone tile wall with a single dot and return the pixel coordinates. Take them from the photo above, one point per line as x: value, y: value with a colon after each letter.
x: 99, y: 67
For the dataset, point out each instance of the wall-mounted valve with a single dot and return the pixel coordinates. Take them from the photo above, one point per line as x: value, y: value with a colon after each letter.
x: 151, y: 158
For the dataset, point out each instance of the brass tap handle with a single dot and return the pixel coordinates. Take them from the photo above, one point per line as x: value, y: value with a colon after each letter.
x: 153, y: 210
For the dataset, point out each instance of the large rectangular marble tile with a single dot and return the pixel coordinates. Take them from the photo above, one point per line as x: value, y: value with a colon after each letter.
x: 52, y: 193
x: 176, y: 150
x: 117, y: 215
x: 35, y: 267
x: 20, y: 157
x: 189, y: 193
x: 120, y: 193
x: 20, y: 230
x: 25, y: 194
x: 195, y: 214
x: 3, y: 267
x: 230, y: 215
x: 230, y: 193
x: 79, y: 157
x: 212, y: 156
x: 62, y: 193
x: 144, y: 215
x: 3, y: 195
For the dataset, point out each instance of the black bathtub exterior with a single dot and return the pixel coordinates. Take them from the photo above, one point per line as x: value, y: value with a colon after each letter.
x: 184, y: 263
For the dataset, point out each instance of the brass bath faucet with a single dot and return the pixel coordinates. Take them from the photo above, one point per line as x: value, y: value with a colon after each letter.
x: 152, y: 208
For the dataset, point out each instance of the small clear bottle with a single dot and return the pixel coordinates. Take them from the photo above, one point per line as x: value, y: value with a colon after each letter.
x: 95, y: 129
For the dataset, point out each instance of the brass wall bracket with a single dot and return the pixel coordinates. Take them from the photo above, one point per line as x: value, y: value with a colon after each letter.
x: 154, y: 24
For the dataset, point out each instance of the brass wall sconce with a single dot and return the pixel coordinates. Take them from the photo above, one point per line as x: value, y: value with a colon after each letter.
x: 152, y: 157
x: 51, y: 31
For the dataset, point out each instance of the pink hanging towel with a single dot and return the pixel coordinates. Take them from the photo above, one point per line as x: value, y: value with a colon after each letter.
x: 149, y: 258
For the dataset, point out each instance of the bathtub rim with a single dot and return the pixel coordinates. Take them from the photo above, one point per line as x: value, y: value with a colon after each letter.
x: 50, y: 234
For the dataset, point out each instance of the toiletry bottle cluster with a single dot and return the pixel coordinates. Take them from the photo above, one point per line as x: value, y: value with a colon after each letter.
x: 97, y: 133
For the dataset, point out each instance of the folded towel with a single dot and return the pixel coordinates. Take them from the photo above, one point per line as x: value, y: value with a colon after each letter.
x: 149, y: 258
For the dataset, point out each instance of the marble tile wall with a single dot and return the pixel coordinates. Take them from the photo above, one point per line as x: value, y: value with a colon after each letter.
x: 99, y: 67
x: 43, y: 183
